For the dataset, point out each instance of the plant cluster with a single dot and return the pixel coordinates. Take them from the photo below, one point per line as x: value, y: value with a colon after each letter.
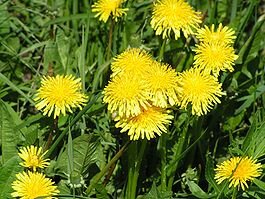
x: 183, y: 81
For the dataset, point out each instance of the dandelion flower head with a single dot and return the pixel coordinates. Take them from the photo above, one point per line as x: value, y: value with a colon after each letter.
x: 147, y: 124
x: 223, y: 35
x: 238, y: 170
x: 59, y: 94
x: 134, y: 60
x: 214, y: 57
x: 107, y: 8
x: 199, y: 89
x: 162, y: 82
x: 126, y: 94
x: 31, y: 185
x: 174, y: 15
x: 33, y: 157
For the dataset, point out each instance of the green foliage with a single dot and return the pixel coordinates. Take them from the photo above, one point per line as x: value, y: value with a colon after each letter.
x: 156, y: 193
x: 9, y: 134
x: 39, y: 38
x: 8, y: 172
x: 254, y: 143
x: 79, y: 155
x: 197, y: 191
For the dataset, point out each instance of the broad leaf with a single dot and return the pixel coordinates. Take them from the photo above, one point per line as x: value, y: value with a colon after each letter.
x: 209, y: 174
x: 197, y: 191
x: 84, y: 154
x: 7, y: 173
x: 8, y: 132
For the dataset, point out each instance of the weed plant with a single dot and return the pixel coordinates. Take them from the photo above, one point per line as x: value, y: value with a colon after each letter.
x: 88, y: 156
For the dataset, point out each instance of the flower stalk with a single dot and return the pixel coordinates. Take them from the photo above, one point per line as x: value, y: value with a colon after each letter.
x: 135, y: 160
x: 183, y: 135
x: 112, y: 24
x: 163, y: 155
x: 107, y: 167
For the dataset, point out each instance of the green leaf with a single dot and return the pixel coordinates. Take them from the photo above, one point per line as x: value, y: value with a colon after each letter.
x: 63, y: 45
x: 4, y: 79
x: 197, y: 191
x: 254, y: 143
x: 64, y: 188
x: 8, y: 132
x: 7, y: 173
x: 84, y: 154
x: 248, y: 49
x: 33, y: 47
x: 249, y: 99
x: 4, y: 16
x: 259, y: 183
x: 244, y: 20
x: 209, y: 174
x: 101, y: 192
x: 154, y: 193
x: 70, y: 155
x: 51, y: 55
x: 232, y: 122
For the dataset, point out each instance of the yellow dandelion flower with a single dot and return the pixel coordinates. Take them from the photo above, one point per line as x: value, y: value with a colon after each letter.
x: 149, y: 122
x: 174, y: 15
x: 33, y: 157
x: 214, y: 57
x: 223, y: 34
x: 238, y: 170
x: 199, y: 89
x: 126, y: 94
x: 32, y: 185
x: 162, y: 82
x: 133, y: 60
x: 107, y: 8
x: 60, y: 94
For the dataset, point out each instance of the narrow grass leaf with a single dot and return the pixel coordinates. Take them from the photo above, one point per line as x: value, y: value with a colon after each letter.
x: 67, y: 18
x: 4, y: 79
x: 250, y: 99
x: 244, y: 21
x: 259, y: 183
x: 244, y: 51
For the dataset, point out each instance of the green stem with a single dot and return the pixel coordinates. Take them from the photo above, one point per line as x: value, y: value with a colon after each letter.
x: 53, y: 131
x: 77, y: 117
x: 112, y: 23
x: 163, y: 156
x: 180, y: 149
x: 180, y: 145
x: 132, y: 152
x: 162, y: 139
x: 234, y: 193
x: 137, y: 168
x: 134, y: 166
x: 129, y: 183
x: 106, y: 168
